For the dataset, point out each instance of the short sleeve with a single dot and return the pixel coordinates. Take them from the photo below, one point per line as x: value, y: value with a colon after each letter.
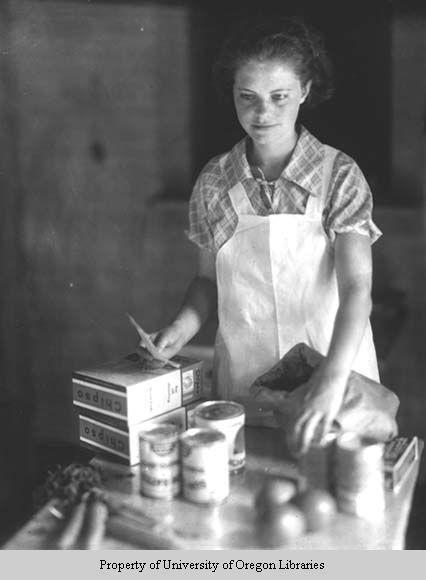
x: 350, y: 203
x: 199, y: 229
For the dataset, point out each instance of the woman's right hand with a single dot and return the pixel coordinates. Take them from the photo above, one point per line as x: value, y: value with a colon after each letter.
x: 200, y: 300
x: 170, y: 339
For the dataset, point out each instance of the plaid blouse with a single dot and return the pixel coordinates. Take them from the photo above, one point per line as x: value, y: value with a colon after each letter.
x: 348, y: 208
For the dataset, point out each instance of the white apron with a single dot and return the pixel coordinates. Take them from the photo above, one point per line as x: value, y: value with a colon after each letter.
x: 277, y: 287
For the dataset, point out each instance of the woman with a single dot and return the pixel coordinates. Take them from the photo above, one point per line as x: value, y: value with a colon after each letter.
x: 284, y: 228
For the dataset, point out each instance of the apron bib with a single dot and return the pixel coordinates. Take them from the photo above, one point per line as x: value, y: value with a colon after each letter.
x: 277, y: 287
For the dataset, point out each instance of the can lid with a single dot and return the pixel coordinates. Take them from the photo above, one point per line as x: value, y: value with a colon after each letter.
x: 200, y: 436
x: 219, y: 410
x: 159, y: 431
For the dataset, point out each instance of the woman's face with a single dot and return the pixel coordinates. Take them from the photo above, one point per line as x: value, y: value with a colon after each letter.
x: 267, y: 97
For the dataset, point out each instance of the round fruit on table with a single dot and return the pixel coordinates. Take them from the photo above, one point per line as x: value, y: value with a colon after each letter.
x: 280, y: 527
x: 318, y: 506
x: 274, y: 492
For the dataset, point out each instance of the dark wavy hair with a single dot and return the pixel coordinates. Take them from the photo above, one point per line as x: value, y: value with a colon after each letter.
x: 290, y: 40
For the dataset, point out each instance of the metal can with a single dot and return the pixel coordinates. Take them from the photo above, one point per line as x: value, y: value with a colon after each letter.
x: 359, y: 476
x: 227, y: 417
x: 317, y: 464
x: 159, y: 461
x: 205, y: 473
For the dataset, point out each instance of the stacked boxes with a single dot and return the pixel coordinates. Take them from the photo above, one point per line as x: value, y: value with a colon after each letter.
x: 114, y: 401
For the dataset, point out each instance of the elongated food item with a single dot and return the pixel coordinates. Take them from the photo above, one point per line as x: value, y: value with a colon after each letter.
x: 147, y: 343
x: 137, y: 533
x: 68, y: 537
x: 95, y: 524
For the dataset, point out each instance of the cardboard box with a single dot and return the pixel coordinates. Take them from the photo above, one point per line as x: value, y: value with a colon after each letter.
x: 400, y: 454
x: 124, y: 389
x: 191, y: 378
x: 116, y: 437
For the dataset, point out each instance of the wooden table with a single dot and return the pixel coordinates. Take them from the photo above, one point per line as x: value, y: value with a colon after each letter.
x: 179, y: 524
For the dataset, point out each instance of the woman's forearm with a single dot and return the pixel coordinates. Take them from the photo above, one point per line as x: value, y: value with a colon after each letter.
x: 349, y: 328
x: 354, y: 279
x: 199, y: 303
x: 326, y: 389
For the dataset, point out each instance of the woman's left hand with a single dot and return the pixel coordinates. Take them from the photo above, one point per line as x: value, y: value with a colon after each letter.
x: 322, y: 402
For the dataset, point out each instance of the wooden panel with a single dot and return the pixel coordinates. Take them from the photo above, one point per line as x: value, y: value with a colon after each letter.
x: 408, y: 104
x: 11, y: 314
x: 103, y: 123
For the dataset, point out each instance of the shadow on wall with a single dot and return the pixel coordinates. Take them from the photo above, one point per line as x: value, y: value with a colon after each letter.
x: 96, y: 136
x: 389, y: 309
x: 399, y: 260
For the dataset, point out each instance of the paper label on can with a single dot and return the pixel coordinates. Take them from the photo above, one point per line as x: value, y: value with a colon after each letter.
x: 205, y: 485
x: 205, y: 472
x: 238, y: 455
x: 234, y: 435
x: 162, y: 483
x: 163, y: 448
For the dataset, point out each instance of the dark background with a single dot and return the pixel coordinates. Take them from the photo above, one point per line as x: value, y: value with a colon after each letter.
x: 357, y: 118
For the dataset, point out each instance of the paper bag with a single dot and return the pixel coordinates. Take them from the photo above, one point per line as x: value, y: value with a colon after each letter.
x: 368, y: 408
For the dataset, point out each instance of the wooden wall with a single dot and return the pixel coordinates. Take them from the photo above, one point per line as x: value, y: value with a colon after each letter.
x: 408, y: 113
x: 96, y: 105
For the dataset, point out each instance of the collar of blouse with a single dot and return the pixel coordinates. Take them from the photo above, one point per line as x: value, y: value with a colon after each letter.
x: 303, y: 169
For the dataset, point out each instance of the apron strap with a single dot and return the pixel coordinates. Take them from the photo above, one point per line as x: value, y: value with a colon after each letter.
x: 316, y: 203
x: 240, y: 200
x: 237, y: 194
